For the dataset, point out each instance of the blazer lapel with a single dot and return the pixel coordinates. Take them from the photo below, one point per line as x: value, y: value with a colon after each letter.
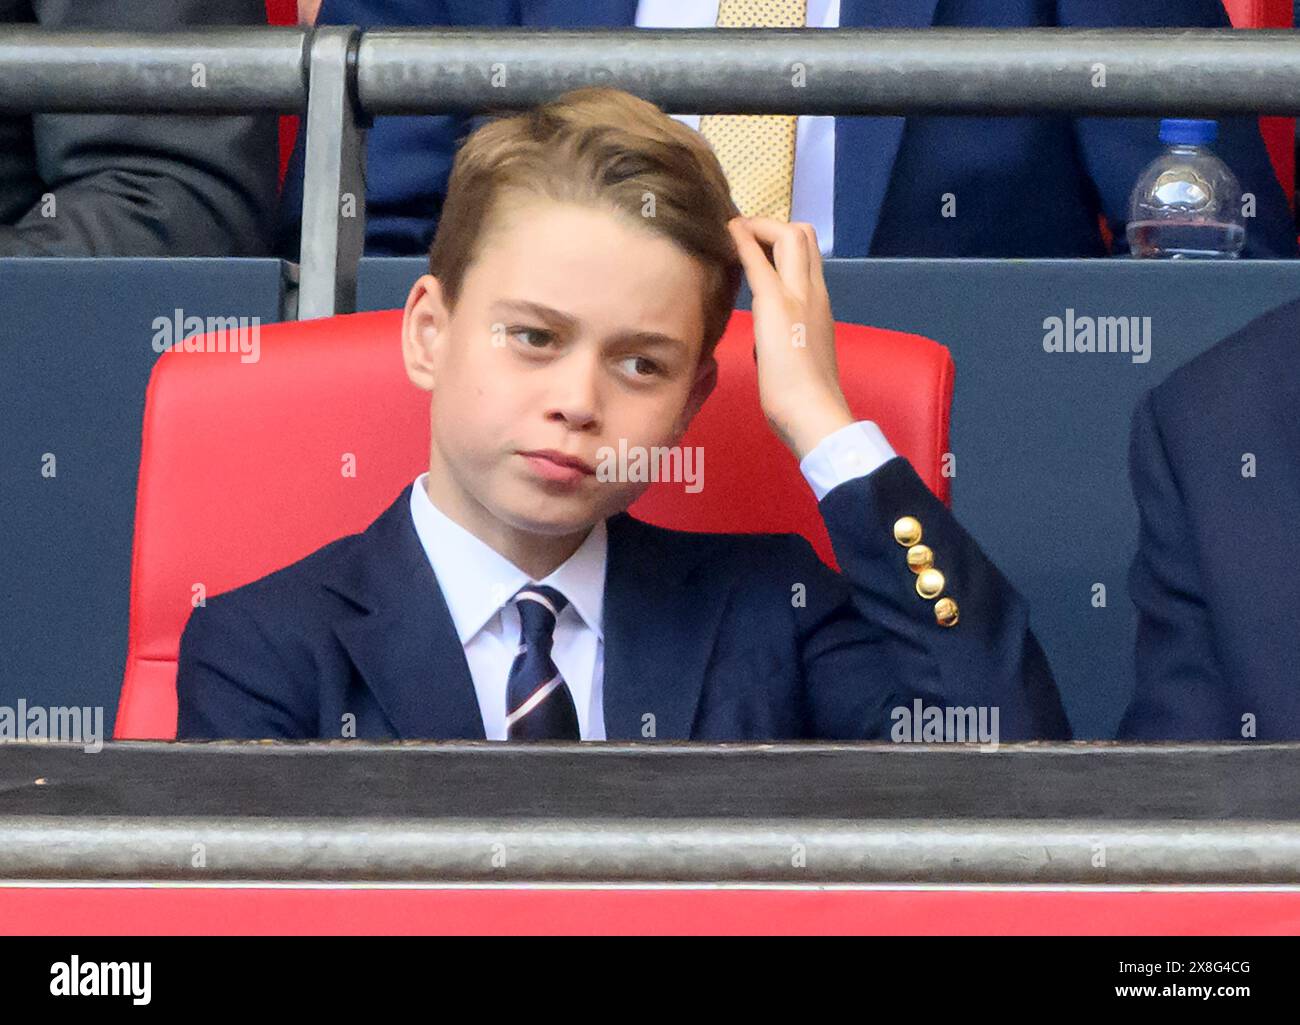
x: 661, y: 624
x: 866, y: 147
x: 401, y: 637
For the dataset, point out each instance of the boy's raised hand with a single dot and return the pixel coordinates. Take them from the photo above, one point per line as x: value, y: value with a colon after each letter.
x: 794, y: 332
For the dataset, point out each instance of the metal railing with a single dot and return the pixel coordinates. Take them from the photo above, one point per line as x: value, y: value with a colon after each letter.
x: 342, y: 77
x: 663, y: 812
x: 219, y: 71
x: 845, y: 71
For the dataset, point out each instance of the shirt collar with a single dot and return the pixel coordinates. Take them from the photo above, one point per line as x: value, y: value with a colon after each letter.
x: 478, y: 581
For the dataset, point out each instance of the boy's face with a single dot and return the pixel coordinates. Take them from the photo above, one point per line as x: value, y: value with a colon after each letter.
x: 575, y: 328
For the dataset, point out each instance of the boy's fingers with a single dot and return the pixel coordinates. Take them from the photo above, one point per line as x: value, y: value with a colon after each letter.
x: 789, y: 248
x: 818, y: 273
x: 761, y: 273
x: 814, y: 249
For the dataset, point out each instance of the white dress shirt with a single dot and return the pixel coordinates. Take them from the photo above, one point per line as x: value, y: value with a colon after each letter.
x: 813, y: 195
x: 478, y: 583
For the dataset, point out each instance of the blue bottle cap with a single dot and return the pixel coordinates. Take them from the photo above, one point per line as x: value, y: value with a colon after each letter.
x: 1183, y: 131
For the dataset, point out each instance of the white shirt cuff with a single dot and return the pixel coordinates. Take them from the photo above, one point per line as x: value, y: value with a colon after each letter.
x: 852, y: 451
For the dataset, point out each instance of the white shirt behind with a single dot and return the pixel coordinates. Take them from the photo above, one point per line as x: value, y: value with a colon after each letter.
x: 813, y: 195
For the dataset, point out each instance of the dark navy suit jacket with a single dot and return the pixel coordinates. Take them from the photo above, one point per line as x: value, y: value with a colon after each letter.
x: 1214, y: 579
x: 1026, y: 187
x: 704, y: 632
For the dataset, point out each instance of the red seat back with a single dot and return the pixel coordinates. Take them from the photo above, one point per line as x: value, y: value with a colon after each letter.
x: 1278, y: 132
x: 284, y: 12
x: 242, y: 463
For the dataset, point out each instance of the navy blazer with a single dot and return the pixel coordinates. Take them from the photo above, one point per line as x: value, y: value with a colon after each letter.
x: 711, y: 637
x: 1214, y: 579
x: 1024, y: 186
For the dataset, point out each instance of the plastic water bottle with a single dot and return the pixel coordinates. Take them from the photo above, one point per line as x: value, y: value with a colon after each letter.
x: 1187, y: 203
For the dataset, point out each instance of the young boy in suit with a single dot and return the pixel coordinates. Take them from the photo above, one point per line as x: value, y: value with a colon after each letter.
x: 586, y: 263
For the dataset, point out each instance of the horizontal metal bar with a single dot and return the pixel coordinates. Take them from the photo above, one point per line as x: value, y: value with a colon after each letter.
x: 213, y: 71
x: 651, y: 850
x: 796, y: 71
x: 1163, y: 72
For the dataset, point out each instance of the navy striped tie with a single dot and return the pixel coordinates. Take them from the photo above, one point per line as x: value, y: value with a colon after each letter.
x: 538, y: 703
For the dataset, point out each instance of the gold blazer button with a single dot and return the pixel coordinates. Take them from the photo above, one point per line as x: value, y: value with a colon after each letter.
x: 929, y: 583
x: 945, y: 612
x: 919, y: 557
x: 907, y: 531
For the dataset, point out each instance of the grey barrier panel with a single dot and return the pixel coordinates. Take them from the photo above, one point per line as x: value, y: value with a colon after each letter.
x: 383, y: 282
x: 1041, y: 439
x: 77, y: 337
x: 653, y: 812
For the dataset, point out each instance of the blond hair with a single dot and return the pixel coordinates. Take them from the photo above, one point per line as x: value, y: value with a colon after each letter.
x: 598, y: 147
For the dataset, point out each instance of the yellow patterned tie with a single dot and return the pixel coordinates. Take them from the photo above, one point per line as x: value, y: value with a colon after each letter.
x: 757, y: 150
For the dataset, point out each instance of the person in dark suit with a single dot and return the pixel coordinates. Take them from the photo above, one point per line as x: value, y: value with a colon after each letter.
x: 508, y: 594
x: 1215, y: 467
x: 872, y: 186
x: 136, y: 185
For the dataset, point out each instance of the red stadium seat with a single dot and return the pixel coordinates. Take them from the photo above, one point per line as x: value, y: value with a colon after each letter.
x: 241, y: 463
x: 1278, y: 132
x: 1260, y: 13
x: 284, y: 12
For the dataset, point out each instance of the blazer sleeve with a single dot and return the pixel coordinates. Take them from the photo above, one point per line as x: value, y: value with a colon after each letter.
x: 1180, y: 692
x: 1117, y: 150
x: 233, y: 682
x: 869, y: 621
x: 148, y: 185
